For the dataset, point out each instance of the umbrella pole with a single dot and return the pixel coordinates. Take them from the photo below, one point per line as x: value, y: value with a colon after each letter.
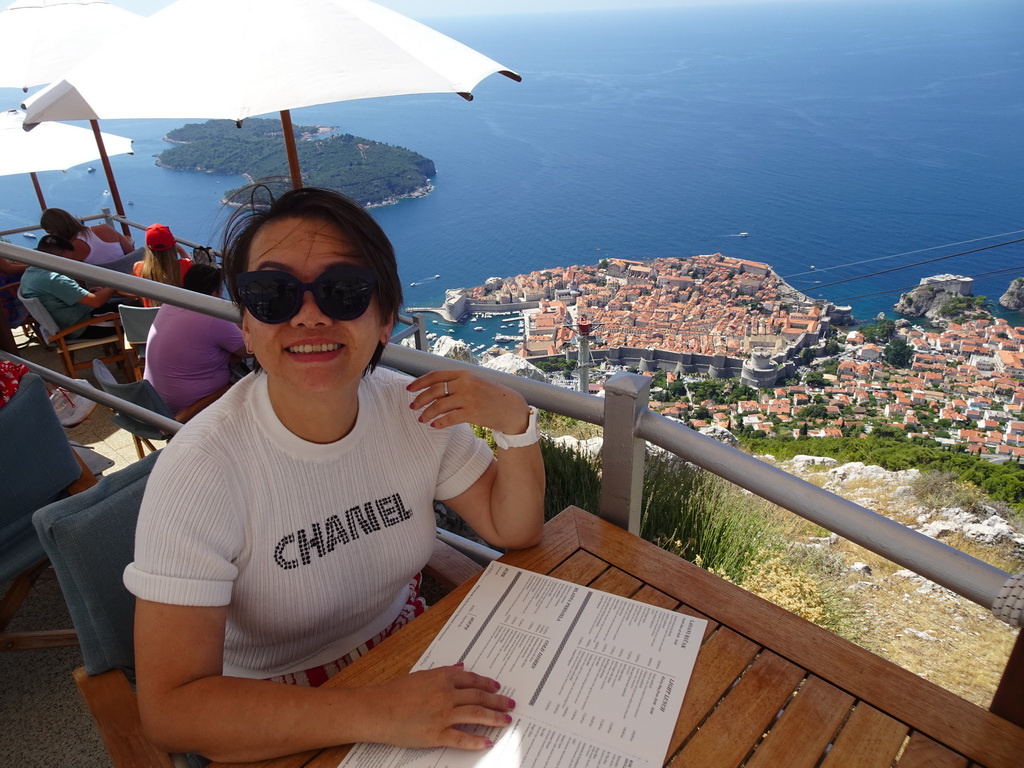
x: 39, y: 190
x: 289, y: 145
x: 110, y: 175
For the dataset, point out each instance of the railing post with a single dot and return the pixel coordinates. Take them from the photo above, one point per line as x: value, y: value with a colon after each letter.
x: 108, y: 217
x: 420, y: 323
x: 622, y: 455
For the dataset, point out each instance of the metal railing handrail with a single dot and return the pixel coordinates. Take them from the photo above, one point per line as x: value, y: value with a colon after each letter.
x: 140, y: 286
x: 108, y: 218
x: 82, y: 387
x: 628, y: 424
x: 976, y: 580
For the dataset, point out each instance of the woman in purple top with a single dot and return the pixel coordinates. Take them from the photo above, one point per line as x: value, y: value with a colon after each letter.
x: 189, y: 354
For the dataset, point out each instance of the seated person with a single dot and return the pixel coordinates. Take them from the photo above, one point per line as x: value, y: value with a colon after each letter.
x: 12, y: 313
x: 97, y: 244
x: 189, y: 354
x: 165, y: 261
x: 283, y: 529
x: 66, y: 301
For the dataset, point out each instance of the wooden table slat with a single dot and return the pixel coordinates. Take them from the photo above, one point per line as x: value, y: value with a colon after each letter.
x: 748, y: 709
x: 922, y: 752
x: 720, y: 663
x: 870, y: 739
x: 651, y: 596
x: 581, y: 568
x: 617, y: 582
x: 805, y: 729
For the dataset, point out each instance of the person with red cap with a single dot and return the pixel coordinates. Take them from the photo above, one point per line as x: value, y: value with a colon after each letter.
x: 165, y: 261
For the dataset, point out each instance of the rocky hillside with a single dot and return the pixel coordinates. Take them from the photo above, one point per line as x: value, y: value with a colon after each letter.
x: 908, y: 619
x: 923, y: 301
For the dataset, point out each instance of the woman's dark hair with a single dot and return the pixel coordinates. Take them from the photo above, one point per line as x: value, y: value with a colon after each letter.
x: 203, y: 278
x: 57, y: 221
x: 313, y: 203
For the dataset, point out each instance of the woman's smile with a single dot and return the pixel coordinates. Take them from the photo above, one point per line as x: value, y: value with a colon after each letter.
x: 313, y: 349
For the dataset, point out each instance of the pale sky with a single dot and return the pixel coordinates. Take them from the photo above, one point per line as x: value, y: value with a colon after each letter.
x: 424, y: 9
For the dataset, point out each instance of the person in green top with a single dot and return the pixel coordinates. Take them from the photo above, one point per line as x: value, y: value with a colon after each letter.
x: 66, y: 301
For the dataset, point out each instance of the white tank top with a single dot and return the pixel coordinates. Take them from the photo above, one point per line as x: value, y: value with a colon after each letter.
x: 100, y: 251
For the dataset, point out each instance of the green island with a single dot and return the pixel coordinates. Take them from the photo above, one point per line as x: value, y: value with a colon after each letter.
x: 369, y: 172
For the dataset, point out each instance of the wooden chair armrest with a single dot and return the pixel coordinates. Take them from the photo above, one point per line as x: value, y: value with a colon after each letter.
x: 85, y: 481
x: 449, y: 567
x: 189, y: 411
x: 115, y: 710
x: 90, y: 321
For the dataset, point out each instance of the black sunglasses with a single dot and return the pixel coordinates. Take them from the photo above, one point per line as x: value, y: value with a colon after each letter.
x: 272, y: 296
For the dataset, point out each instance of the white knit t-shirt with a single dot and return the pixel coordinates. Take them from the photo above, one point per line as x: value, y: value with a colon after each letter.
x: 310, y: 546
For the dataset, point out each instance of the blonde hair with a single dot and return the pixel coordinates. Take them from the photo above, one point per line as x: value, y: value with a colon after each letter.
x: 163, y: 267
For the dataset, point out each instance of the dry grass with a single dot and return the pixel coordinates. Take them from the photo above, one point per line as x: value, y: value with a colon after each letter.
x: 915, y: 624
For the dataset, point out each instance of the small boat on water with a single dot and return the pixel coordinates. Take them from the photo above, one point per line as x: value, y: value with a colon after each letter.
x: 744, y: 234
x: 29, y: 235
x: 90, y: 169
x: 478, y: 328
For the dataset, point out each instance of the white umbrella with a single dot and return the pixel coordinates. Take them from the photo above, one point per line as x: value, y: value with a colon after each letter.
x: 43, y: 39
x: 50, y: 147
x: 251, y: 57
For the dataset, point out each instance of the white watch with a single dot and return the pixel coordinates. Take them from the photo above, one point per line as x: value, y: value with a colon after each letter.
x: 529, y: 437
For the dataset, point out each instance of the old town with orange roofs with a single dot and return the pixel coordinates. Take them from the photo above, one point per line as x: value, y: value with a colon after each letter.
x: 959, y: 383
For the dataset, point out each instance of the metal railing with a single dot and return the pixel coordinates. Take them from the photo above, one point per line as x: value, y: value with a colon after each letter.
x: 628, y: 424
x: 107, y: 217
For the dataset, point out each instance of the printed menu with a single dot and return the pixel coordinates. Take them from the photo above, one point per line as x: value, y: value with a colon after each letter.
x: 598, y: 679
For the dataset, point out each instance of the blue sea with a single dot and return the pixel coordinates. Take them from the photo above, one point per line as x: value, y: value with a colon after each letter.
x: 848, y: 139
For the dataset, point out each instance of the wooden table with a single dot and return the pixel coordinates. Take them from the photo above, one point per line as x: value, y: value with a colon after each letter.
x: 769, y: 690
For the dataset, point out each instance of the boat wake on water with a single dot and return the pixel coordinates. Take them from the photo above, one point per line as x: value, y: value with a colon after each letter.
x: 424, y: 280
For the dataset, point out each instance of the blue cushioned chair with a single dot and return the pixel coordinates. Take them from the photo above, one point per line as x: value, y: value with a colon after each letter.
x: 90, y: 538
x: 136, y: 322
x: 39, y: 466
x: 138, y: 392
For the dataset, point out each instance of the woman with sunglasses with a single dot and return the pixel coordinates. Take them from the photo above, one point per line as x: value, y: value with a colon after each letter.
x: 284, y: 527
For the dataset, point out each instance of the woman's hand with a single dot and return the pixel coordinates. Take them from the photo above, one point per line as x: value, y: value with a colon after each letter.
x: 187, y: 704
x: 424, y: 709
x: 457, y: 397
x: 506, y: 503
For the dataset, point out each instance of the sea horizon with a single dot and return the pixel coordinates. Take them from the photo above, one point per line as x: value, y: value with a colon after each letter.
x: 851, y: 137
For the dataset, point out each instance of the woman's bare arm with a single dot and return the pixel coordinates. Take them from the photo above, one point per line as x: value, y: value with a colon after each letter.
x: 188, y: 705
x: 506, y: 504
